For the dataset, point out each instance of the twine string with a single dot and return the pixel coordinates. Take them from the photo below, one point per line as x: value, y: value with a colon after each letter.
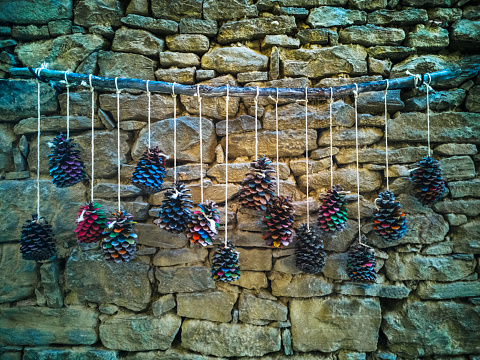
x: 149, y: 95
x: 306, y: 155
x: 174, y: 133
x: 428, y: 113
x: 67, y: 85
x: 256, y: 119
x: 92, y: 91
x: 199, y: 98
x: 118, y: 144
x: 355, y: 93
x: 386, y: 135
x: 226, y: 168
x: 276, y: 135
x: 331, y: 138
x: 38, y: 143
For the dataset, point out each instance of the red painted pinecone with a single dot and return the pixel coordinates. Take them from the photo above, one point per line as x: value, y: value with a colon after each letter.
x: 91, y: 222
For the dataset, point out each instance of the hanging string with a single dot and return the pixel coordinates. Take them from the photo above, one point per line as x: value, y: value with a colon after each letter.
x: 199, y: 98
x: 276, y: 132
x: 93, y: 135
x: 355, y: 93
x: 118, y: 143
x: 149, y: 112
x: 331, y: 138
x: 256, y: 119
x: 428, y: 113
x: 386, y: 133
x: 226, y: 169
x: 174, y: 133
x: 68, y: 105
x: 306, y: 154
x: 38, y: 143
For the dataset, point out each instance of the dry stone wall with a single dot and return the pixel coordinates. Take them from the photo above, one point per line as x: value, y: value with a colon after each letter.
x: 164, y: 305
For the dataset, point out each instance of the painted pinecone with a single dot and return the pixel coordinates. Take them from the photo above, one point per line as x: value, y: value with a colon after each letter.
x: 37, y: 240
x: 91, y: 223
x: 279, y: 220
x: 204, y: 223
x: 258, y: 188
x: 332, y: 215
x: 119, y: 238
x: 225, y: 266
x: 150, y: 171
x: 309, y: 254
x: 427, y: 181
x: 66, y: 168
x: 389, y: 221
x: 175, y: 210
x: 361, y: 263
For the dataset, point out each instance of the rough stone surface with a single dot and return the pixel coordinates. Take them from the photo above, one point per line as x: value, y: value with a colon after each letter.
x: 139, y: 332
x: 169, y: 58
x: 369, y: 180
x: 393, y: 17
x: 241, y: 124
x: 184, y: 279
x: 466, y: 238
x: 163, y: 304
x: 156, y: 26
x: 165, y: 9
x: 233, y: 60
x: 75, y: 353
x: 301, y: 285
x: 228, y: 9
x: 469, y: 207
x: 458, y: 168
x: 428, y: 38
x: 36, y: 12
x: 252, y: 280
x: 346, y: 137
x: 453, y: 328
x: 252, y: 308
x: 432, y: 290
x: 89, y: 12
x: 369, y: 35
x: 51, y: 123
x: 135, y: 66
x: 182, y: 76
x: 213, y: 306
x: 136, y: 41
x: 125, y: 284
x: 197, y: 26
x: 180, y: 256
x: 464, y: 188
x: 198, y: 44
x: 332, y: 323
x: 229, y: 339
x: 465, y: 33
x: 333, y: 16
x: 70, y: 326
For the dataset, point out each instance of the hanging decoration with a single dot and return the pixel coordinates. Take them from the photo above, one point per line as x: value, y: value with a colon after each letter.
x: 119, y: 238
x: 150, y: 170
x: 91, y: 218
x: 65, y: 164
x: 389, y: 221
x: 310, y: 257
x: 427, y: 180
x: 279, y: 216
x: 361, y: 258
x: 204, y: 223
x: 225, y: 266
x: 37, y: 240
x: 332, y: 215
x: 175, y: 209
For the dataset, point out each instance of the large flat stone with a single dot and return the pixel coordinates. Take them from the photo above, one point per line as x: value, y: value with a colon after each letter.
x: 466, y: 238
x: 381, y: 288
x: 39, y: 326
x: 465, y: 34
x: 253, y: 309
x: 428, y: 38
x: 237, y: 171
x: 156, y: 26
x: 34, y: 12
x: 228, y: 9
x: 326, y: 16
x: 165, y: 9
x: 337, y: 322
x: 452, y: 328
x: 347, y: 137
x: 377, y: 155
x: 93, y: 279
x: 213, y: 306
x: 469, y: 207
x: 19, y: 277
x: 408, y: 266
x: 301, y: 285
x: 457, y: 168
x: 180, y: 256
x: 89, y: 12
x: 229, y: 339
x: 252, y: 280
x: 56, y: 123
x: 137, y: 41
x: 76, y: 353
x: 460, y: 189
x: 139, y: 332
x: 152, y: 235
x: 184, y: 279
x: 126, y: 65
x: 394, y: 17
x: 369, y: 180
x: 433, y: 290
x: 234, y: 60
x: 371, y: 35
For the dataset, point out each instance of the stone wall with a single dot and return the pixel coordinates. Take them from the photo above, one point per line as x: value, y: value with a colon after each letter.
x: 164, y: 305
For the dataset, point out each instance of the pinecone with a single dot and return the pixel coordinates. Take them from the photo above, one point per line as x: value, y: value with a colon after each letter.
x: 390, y: 221
x: 91, y: 223
x: 427, y: 181
x: 150, y: 171
x: 66, y: 168
x: 258, y: 189
x: 225, y: 265
x: 202, y: 228
x: 279, y: 220
x: 37, y: 240
x: 310, y: 257
x: 119, y: 238
x: 174, y: 212
x: 361, y: 263
x: 332, y: 215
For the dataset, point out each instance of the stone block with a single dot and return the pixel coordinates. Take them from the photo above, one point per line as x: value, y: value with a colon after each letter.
x: 163, y: 304
x: 233, y: 60
x: 408, y: 266
x: 377, y: 155
x: 198, y: 26
x: 440, y: 100
x: 473, y: 99
x: 428, y: 38
x: 314, y: 166
x: 238, y: 171
x: 37, y: 12
x: 335, y: 16
x: 368, y: 5
x: 127, y: 65
x: 347, y: 137
x: 184, y: 279
x: 252, y: 280
x: 93, y: 279
x: 65, y: 326
x: 79, y: 352
x: 456, y: 149
x: 465, y: 34
x: 138, y: 7
x: 452, y: 328
x: 458, y: 168
x: 252, y: 308
x: 336, y: 322
x: 469, y: 207
x: 381, y: 289
x: 433, y: 290
x: 456, y: 219
x: 189, y: 43
x: 180, y: 256
x: 395, y: 53
x: 241, y: 124
x: 139, y: 332
x: 213, y: 306
x: 313, y: 36
x: 374, y: 102
x: 252, y: 76
x: 181, y: 60
x: 460, y: 189
x: 394, y: 17
x: 371, y: 35
x: 55, y: 123
x: 228, y: 10
x: 50, y: 276
x: 155, y: 26
x: 136, y: 41
x: 174, y: 75
x: 203, y: 75
x: 466, y: 238
x: 164, y: 9
x: 283, y: 41
x: 300, y: 285
x: 229, y: 339
x: 369, y: 180
x: 88, y: 13
x: 30, y: 32
x: 255, y: 259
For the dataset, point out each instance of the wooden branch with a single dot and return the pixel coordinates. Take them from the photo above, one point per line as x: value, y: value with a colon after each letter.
x: 247, y: 92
